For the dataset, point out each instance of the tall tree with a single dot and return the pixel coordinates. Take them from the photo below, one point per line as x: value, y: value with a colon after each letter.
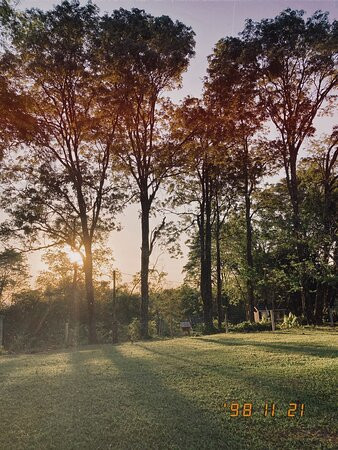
x: 71, y: 153
x: 195, y: 190
x: 147, y: 55
x: 319, y: 184
x: 296, y: 64
x: 232, y: 87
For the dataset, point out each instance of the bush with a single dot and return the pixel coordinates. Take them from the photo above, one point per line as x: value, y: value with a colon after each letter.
x: 197, y: 329
x: 104, y: 335
x: 290, y: 321
x: 248, y: 327
x: 152, y: 328
x: 134, y: 329
x: 200, y: 328
x: 215, y: 322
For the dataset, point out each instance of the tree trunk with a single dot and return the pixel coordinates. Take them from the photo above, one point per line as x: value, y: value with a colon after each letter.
x: 249, y: 260
x: 294, y: 195
x: 145, y: 256
x: 75, y: 305
x: 219, y: 269
x: 322, y: 286
x: 202, y: 258
x: 115, y: 336
x: 88, y: 271
x: 205, y: 249
x: 249, y: 257
x: 208, y: 284
x: 87, y: 265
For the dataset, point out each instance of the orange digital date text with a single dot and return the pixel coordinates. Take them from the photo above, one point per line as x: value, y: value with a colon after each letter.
x: 247, y: 409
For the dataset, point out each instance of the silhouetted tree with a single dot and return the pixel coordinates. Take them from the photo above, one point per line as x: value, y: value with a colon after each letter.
x: 147, y: 56
x: 68, y: 164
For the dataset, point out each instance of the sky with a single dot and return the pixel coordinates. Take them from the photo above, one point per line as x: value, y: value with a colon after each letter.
x: 210, y: 20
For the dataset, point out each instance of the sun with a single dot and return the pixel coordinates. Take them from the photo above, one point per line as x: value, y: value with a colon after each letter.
x: 74, y: 257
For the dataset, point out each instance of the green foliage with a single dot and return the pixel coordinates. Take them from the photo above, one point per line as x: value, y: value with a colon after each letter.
x: 136, y: 45
x: 249, y: 327
x: 191, y: 303
x: 13, y: 274
x: 290, y: 321
x: 134, y: 329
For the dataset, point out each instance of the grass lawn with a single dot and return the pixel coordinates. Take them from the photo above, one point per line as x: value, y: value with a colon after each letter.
x: 170, y: 394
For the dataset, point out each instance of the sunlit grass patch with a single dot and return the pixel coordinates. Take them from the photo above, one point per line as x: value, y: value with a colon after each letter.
x: 170, y: 394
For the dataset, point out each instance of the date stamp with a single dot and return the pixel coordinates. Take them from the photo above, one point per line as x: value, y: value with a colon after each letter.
x: 236, y: 409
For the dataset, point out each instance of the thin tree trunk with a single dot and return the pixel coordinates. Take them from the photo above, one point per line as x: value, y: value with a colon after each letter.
x: 202, y: 260
x: 208, y: 283
x: 249, y: 257
x: 88, y: 271
x: 218, y: 269
x: 75, y: 305
x: 145, y: 256
x: 294, y: 195
x: 205, y: 253
x: 115, y: 335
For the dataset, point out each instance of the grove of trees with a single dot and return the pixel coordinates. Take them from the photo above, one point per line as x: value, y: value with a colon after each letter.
x: 87, y: 129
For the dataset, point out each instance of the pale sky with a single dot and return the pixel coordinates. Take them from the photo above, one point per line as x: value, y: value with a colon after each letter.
x: 210, y: 20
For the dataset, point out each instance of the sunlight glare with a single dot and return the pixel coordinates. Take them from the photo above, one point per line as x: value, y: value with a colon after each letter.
x: 74, y: 257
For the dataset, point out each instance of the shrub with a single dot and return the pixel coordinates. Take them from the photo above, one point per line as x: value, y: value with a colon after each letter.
x: 104, y: 335
x: 290, y: 321
x: 134, y: 329
x: 248, y: 327
x: 152, y: 328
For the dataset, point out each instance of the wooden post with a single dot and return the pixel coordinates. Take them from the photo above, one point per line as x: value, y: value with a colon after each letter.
x: 114, y: 330
x: 1, y: 331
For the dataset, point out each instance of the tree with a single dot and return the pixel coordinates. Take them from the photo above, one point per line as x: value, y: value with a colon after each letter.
x: 232, y: 86
x: 147, y: 55
x: 196, y: 125
x: 69, y: 162
x: 225, y: 199
x: 318, y: 181
x: 296, y: 65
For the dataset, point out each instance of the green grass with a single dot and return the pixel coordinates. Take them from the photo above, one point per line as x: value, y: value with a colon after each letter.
x: 170, y: 394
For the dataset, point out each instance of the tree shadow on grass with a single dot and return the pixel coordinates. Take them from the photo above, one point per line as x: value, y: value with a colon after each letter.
x: 118, y: 397
x: 267, y: 384
x: 165, y: 416
x: 263, y: 380
x: 319, y: 351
